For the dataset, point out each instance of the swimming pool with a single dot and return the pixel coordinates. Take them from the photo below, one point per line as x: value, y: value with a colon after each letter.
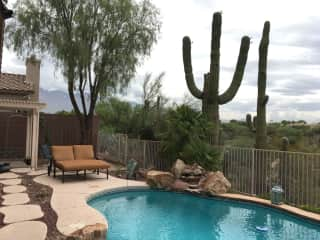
x: 160, y: 215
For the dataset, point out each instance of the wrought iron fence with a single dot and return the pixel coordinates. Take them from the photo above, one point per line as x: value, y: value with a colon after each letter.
x: 250, y: 171
x: 122, y: 149
x: 256, y: 171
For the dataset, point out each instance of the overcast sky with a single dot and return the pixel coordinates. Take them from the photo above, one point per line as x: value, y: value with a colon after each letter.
x: 293, y: 81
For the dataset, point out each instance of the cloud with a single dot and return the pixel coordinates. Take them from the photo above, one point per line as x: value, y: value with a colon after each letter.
x: 293, y: 82
x: 299, y: 85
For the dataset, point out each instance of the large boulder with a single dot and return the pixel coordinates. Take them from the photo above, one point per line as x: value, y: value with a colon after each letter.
x: 215, y: 183
x: 178, y: 167
x: 180, y: 186
x: 97, y: 231
x: 159, y: 179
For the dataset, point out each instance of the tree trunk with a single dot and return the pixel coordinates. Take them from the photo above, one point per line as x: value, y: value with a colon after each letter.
x: 87, y: 130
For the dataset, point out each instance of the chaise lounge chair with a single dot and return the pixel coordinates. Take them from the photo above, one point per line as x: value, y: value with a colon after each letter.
x: 76, y: 158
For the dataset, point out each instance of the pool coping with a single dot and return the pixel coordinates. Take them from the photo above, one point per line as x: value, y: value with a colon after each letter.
x: 297, y: 212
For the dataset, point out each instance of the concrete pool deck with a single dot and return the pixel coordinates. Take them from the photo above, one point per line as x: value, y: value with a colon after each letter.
x: 69, y: 200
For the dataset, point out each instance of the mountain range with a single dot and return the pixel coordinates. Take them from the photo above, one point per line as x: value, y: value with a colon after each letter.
x: 56, y: 100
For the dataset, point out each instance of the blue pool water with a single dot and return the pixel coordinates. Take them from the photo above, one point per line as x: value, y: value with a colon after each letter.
x: 160, y: 215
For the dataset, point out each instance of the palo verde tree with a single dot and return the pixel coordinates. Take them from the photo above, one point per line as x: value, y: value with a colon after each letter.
x: 211, y: 99
x: 97, y: 44
x: 152, y: 95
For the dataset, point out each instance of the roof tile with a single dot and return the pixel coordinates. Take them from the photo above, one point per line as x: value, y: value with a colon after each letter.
x: 14, y: 84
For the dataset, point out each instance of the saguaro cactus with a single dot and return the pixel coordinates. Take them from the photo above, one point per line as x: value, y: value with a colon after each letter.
x: 261, y: 126
x: 210, y: 95
x: 251, y: 123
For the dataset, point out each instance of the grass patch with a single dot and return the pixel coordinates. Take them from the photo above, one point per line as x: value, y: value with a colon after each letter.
x: 310, y: 208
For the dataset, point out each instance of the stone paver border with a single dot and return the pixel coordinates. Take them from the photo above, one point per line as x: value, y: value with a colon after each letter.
x: 15, y: 199
x: 24, y: 230
x: 8, y: 175
x: 19, y: 213
x: 37, y: 172
x: 13, y: 181
x: 14, y: 189
x: 20, y: 170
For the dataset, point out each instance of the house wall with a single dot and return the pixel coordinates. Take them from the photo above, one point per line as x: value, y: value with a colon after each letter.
x: 58, y: 129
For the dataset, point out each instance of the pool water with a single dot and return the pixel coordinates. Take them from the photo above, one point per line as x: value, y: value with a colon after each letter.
x: 161, y: 215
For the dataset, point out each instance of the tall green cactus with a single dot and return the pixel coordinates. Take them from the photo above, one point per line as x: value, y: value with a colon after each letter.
x: 210, y: 95
x: 261, y: 126
x: 251, y: 123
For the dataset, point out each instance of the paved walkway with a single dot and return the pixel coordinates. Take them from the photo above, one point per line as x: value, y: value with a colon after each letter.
x: 19, y: 216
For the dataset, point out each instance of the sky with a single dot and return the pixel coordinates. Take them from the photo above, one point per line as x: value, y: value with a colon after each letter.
x: 293, y: 80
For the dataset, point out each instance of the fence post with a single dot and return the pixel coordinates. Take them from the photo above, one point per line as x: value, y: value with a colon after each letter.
x: 252, y: 171
x: 144, y: 154
x: 119, y: 143
x: 126, y: 149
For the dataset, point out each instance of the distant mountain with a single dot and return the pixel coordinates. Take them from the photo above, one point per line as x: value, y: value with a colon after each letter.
x: 56, y: 100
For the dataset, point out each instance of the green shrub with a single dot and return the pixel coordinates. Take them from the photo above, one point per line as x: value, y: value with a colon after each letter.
x: 310, y: 208
x: 203, y: 153
x: 187, y: 137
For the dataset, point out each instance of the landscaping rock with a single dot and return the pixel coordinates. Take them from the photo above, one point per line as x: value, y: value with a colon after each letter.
x: 215, y: 183
x: 178, y: 168
x: 159, y: 179
x: 193, y: 170
x: 191, y: 179
x: 187, y: 171
x: 179, y: 185
x: 91, y: 232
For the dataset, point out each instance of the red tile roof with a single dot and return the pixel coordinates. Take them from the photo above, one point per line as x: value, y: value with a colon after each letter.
x: 14, y: 84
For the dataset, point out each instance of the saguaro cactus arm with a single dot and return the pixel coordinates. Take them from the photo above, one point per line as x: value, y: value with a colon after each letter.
x: 261, y: 135
x: 263, y: 59
x: 186, y: 49
x: 229, y: 94
x: 215, y: 45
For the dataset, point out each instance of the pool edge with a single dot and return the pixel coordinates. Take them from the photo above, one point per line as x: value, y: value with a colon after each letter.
x: 287, y: 209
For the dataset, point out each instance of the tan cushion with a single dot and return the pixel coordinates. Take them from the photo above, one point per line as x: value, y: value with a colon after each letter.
x: 62, y: 153
x: 82, y: 165
x: 83, y: 152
